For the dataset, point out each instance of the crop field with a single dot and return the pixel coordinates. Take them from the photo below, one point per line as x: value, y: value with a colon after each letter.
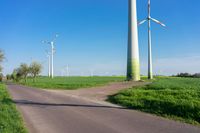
x: 174, y: 98
x: 10, y: 120
x: 70, y: 83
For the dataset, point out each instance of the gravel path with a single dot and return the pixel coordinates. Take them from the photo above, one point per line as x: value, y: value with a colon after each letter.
x: 98, y: 94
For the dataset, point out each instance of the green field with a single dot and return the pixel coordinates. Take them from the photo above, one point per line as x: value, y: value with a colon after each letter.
x: 10, y: 120
x: 174, y: 98
x: 70, y: 83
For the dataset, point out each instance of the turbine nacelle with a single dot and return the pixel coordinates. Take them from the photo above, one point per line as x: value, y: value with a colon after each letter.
x: 52, y: 43
x: 153, y: 19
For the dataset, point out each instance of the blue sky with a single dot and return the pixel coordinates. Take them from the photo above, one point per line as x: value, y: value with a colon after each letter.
x: 93, y: 35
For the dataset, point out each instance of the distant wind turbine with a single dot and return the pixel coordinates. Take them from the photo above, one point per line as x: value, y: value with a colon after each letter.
x: 52, y: 44
x: 67, y: 70
x: 48, y: 54
x: 91, y: 72
x: 149, y: 19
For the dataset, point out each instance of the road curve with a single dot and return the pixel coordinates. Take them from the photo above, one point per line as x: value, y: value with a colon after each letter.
x: 46, y: 112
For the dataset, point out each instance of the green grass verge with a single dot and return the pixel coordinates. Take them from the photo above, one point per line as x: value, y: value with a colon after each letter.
x: 10, y: 120
x: 70, y: 83
x: 175, y: 98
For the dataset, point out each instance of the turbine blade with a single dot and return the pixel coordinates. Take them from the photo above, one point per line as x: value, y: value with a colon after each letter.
x: 149, y: 7
x: 56, y: 36
x: 142, y: 22
x: 44, y: 41
x: 47, y: 52
x: 158, y: 22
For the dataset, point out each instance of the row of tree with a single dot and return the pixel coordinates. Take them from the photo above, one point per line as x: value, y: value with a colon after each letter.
x: 24, y: 71
x: 188, y: 75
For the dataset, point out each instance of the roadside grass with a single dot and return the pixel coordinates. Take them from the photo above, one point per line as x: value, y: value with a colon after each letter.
x: 10, y: 120
x: 174, y: 98
x: 71, y: 83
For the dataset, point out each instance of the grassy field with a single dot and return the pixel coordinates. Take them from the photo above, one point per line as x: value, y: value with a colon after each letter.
x: 175, y: 98
x: 10, y: 120
x: 70, y: 83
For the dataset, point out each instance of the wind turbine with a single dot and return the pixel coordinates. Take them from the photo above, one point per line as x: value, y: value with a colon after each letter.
x: 68, y: 73
x: 91, y: 72
x: 48, y: 54
x: 52, y: 44
x: 133, y: 63
x: 149, y: 19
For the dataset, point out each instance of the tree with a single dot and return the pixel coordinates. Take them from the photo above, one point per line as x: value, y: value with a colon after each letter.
x: 16, y: 75
x: 35, y: 69
x: 184, y: 75
x: 1, y: 68
x: 2, y: 57
x: 1, y: 77
x: 196, y: 75
x: 24, y: 70
x: 8, y: 77
x: 188, y: 75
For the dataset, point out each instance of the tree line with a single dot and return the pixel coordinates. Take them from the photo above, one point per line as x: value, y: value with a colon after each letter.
x: 188, y: 75
x: 24, y: 71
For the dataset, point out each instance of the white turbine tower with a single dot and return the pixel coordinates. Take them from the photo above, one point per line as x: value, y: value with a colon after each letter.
x: 67, y: 71
x: 52, y: 44
x: 48, y: 54
x: 133, y: 63
x: 149, y: 19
